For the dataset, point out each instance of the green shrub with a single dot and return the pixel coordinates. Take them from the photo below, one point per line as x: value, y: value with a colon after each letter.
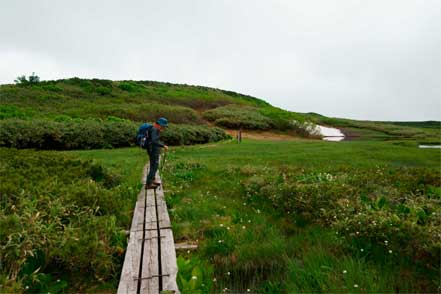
x: 66, y: 135
x: 130, y: 87
x: 52, y: 88
x: 93, y: 134
x: 11, y: 111
x: 103, y: 90
x: 147, y: 112
x: 188, y: 135
x: 238, y: 117
x: 59, y: 216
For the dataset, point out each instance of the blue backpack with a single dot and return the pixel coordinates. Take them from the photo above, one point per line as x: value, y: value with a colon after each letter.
x: 143, y: 136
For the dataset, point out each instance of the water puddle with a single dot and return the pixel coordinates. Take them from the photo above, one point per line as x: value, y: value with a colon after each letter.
x: 331, y: 134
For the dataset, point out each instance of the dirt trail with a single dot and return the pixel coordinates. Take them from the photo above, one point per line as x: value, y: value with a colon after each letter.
x: 264, y: 135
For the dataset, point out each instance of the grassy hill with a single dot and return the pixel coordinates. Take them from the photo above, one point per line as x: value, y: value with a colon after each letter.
x: 72, y: 101
x: 133, y: 100
x: 53, y: 114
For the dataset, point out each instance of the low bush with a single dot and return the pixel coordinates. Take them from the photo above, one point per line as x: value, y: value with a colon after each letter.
x: 66, y: 135
x: 60, y: 216
x: 12, y: 111
x: 93, y: 134
x: 236, y: 117
x: 130, y: 87
x: 189, y: 134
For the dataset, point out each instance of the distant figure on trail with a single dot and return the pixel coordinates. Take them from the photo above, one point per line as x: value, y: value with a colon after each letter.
x: 154, y: 146
x: 239, y: 136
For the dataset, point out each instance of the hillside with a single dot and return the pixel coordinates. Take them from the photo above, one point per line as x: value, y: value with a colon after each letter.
x: 72, y: 101
x: 136, y: 101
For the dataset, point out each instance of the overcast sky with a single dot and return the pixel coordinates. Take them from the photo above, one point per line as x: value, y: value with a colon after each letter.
x: 366, y: 59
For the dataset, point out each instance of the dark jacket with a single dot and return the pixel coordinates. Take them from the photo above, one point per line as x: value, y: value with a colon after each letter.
x: 155, y: 143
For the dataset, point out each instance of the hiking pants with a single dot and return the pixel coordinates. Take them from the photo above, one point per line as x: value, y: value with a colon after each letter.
x: 154, y: 164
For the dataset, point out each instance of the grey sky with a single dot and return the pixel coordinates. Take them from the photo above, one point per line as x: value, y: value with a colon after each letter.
x: 375, y: 59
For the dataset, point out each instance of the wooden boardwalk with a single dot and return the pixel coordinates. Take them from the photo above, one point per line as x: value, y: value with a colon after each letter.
x: 150, y: 260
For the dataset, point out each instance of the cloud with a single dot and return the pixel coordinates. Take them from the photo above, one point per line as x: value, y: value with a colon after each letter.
x: 358, y: 59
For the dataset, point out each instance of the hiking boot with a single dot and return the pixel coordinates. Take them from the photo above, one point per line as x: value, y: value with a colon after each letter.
x: 151, y: 186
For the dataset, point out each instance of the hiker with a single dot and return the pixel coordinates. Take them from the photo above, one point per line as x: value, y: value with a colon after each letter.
x: 154, y: 146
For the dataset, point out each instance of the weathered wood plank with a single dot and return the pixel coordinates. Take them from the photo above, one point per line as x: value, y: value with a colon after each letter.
x: 130, y: 270
x: 186, y: 246
x: 164, y: 219
x: 138, y: 213
x: 128, y: 283
x: 150, y: 280
x: 151, y: 211
x: 168, y: 258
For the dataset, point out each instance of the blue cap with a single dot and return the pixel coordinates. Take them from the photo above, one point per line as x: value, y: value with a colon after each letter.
x: 163, y: 122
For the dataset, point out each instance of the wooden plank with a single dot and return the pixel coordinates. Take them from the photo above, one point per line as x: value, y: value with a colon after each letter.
x: 168, y: 260
x: 168, y: 252
x: 150, y: 280
x: 130, y: 270
x: 128, y: 283
x: 151, y: 211
x: 186, y: 246
x: 138, y: 213
x: 164, y: 219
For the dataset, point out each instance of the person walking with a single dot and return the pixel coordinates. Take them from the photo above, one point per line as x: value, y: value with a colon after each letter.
x: 154, y: 149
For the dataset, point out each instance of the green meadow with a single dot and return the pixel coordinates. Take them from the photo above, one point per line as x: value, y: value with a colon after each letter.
x: 307, y: 216
x: 301, y: 215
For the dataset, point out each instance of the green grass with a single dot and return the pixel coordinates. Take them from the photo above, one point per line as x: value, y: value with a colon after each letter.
x: 254, y: 209
x: 237, y: 201
x: 127, y: 162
